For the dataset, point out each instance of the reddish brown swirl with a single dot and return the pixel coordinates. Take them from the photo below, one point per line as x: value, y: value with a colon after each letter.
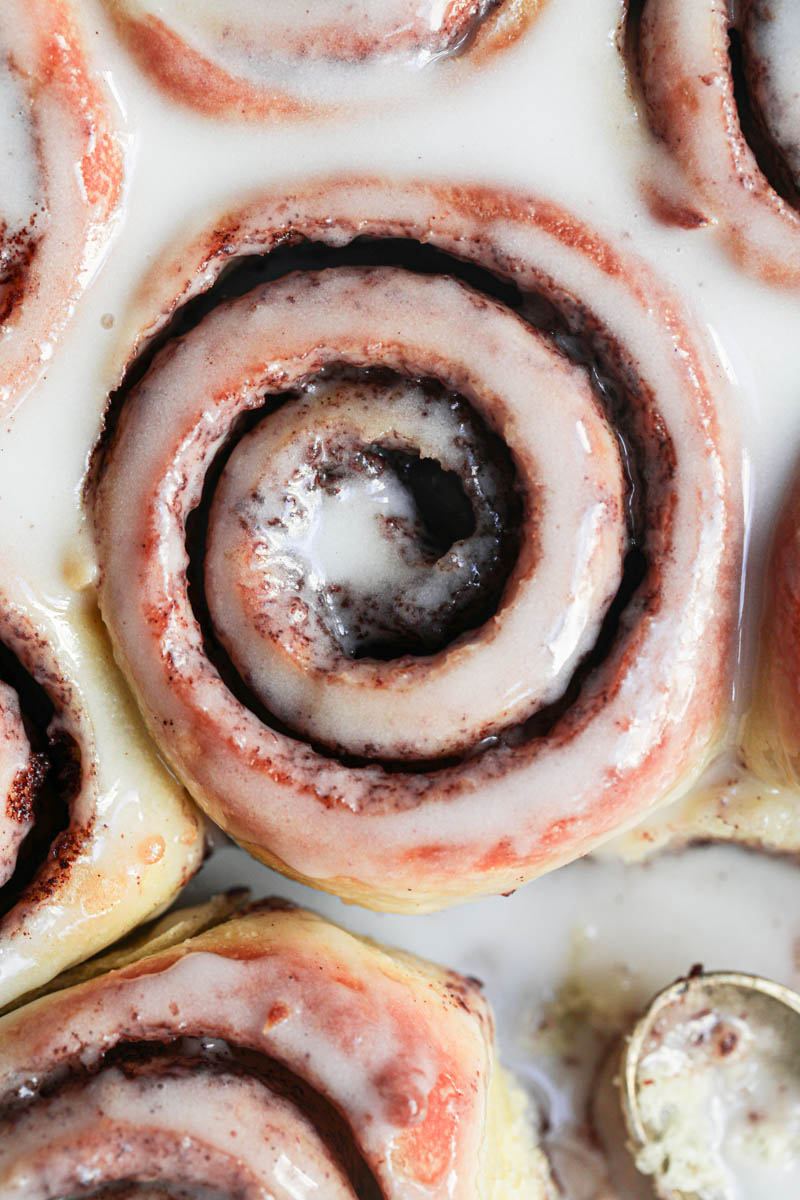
x: 720, y: 85
x: 275, y: 1055
x: 386, y: 708
x: 248, y: 61
x: 62, y: 181
x: 20, y: 774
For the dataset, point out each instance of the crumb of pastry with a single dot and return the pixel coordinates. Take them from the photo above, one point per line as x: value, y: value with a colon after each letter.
x: 516, y: 1168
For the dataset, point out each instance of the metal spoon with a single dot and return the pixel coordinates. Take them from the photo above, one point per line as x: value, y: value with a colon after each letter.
x: 695, y: 995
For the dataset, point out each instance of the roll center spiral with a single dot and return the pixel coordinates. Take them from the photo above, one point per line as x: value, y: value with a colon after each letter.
x: 333, y: 646
x: 368, y: 518
x: 549, y: 722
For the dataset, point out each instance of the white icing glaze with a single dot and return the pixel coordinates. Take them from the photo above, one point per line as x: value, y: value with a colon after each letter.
x: 572, y: 959
x: 327, y: 514
x: 401, y: 1049
x: 523, y: 657
x: 528, y: 123
x: 668, y: 667
x: 689, y: 92
x: 22, y: 187
x: 245, y: 29
x: 259, y: 60
x: 772, y: 33
x: 130, y: 825
x: 219, y: 1130
x: 62, y: 201
x: 133, y: 839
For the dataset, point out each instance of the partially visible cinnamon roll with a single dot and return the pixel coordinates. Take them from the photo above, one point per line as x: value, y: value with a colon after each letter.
x: 272, y: 1055
x: 422, y: 556
x: 62, y: 179
x: 750, y: 795
x: 772, y: 731
x: 89, y: 847
x: 721, y: 92
x: 245, y: 60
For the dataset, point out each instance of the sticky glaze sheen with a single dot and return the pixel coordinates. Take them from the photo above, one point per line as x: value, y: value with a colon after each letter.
x: 553, y: 117
x: 488, y: 822
x: 400, y: 1049
x: 692, y: 107
x: 61, y: 198
x: 555, y: 601
x: 132, y: 840
x: 249, y: 61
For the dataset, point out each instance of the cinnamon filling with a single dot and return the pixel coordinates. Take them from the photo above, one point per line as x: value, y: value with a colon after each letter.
x: 284, y: 36
x: 163, y: 1190
x: 51, y: 782
x: 382, y: 551
x: 777, y: 161
x: 768, y: 116
x: 194, y: 1059
x: 21, y: 202
x: 437, y: 508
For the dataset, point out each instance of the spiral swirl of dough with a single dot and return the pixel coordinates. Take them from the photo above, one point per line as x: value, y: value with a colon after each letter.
x: 721, y: 92
x: 275, y: 1055
x: 596, y: 684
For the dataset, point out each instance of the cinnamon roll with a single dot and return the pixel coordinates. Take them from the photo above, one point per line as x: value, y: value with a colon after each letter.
x: 247, y: 61
x: 422, y: 561
x: 274, y: 1054
x: 720, y: 89
x: 772, y: 730
x: 92, y: 841
x: 62, y: 181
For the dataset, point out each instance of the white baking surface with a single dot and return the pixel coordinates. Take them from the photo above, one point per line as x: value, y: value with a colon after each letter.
x: 551, y: 116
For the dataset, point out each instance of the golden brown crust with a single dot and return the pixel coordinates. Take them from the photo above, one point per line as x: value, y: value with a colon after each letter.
x: 772, y: 731
x: 151, y: 938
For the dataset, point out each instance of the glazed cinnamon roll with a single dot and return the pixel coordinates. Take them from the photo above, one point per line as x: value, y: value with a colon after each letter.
x: 772, y: 730
x: 62, y: 181
x: 720, y: 86
x: 421, y: 554
x: 250, y: 61
x: 92, y: 841
x: 274, y: 1054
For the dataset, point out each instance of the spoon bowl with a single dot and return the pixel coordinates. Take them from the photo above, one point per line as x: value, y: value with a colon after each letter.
x: 710, y: 1089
